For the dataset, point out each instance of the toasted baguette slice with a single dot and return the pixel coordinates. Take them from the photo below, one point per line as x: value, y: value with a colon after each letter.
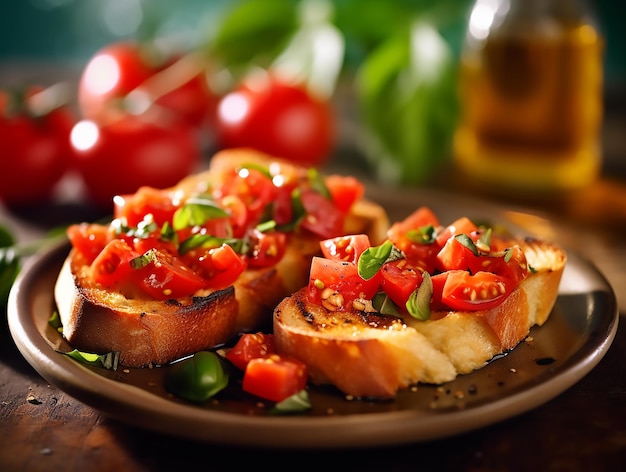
x: 153, y: 332
x: 370, y: 355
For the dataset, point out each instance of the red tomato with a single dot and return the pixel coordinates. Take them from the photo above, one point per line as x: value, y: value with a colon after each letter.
x: 462, y: 225
x: 89, y: 239
x: 121, y: 157
x: 345, y: 248
x: 112, y: 266
x: 35, y: 151
x: 482, y: 291
x: 274, y: 377
x: 336, y: 284
x: 266, y: 249
x: 399, y: 280
x: 407, y: 236
x: 276, y: 117
x: 250, y: 346
x: 345, y: 191
x: 219, y: 266
x: 322, y: 218
x: 176, y: 84
x: 134, y: 207
x: 164, y: 276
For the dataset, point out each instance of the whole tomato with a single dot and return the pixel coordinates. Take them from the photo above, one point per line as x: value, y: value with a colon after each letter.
x: 35, y: 148
x: 122, y: 156
x: 277, y: 117
x: 175, y: 83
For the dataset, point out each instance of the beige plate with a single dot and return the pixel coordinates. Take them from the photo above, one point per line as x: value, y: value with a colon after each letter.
x: 572, y: 342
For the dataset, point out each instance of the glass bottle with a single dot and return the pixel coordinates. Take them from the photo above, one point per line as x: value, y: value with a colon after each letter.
x: 531, y: 94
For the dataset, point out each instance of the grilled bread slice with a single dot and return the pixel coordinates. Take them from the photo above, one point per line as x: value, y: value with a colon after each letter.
x: 154, y: 332
x: 373, y: 355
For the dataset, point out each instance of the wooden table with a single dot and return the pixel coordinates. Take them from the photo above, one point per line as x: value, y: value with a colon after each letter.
x: 584, y: 428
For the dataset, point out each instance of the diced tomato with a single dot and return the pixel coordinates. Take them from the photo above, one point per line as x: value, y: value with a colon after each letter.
x: 482, y: 291
x: 219, y: 267
x: 322, y: 218
x: 462, y: 225
x: 454, y: 255
x: 238, y: 214
x: 250, y: 346
x: 143, y: 245
x: 342, y: 278
x: 420, y: 218
x: 274, y: 377
x: 164, y: 276
x: 345, y: 191
x: 345, y: 248
x: 254, y: 188
x: 135, y: 207
x: 266, y: 249
x: 88, y: 238
x: 399, y: 280
x: 112, y: 266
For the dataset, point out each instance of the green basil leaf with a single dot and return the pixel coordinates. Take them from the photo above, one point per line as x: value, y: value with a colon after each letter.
x: 466, y: 241
x: 423, y: 235
x: 296, y: 403
x: 108, y: 361
x: 373, y: 258
x: 384, y: 305
x: 418, y: 304
x: 197, y: 378
x: 196, y: 212
x: 145, y: 259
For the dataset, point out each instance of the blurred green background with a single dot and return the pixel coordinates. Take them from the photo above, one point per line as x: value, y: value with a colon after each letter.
x: 72, y: 30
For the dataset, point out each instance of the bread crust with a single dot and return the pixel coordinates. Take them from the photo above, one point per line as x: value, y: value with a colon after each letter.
x: 370, y: 355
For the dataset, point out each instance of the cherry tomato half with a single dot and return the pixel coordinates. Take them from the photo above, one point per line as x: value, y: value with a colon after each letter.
x: 276, y: 117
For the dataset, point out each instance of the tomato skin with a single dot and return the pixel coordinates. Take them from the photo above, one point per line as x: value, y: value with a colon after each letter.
x: 345, y: 191
x: 399, y: 280
x: 134, y: 207
x: 250, y: 346
x: 267, y: 249
x: 35, y: 151
x: 276, y: 117
x: 463, y: 291
x: 166, y: 277
x: 88, y: 238
x: 219, y: 267
x: 274, y: 377
x: 345, y: 248
x: 112, y: 268
x: 120, y: 158
x: 121, y: 67
x: 343, y: 279
x: 323, y: 218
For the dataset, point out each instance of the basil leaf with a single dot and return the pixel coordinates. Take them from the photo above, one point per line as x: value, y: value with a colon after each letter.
x: 108, y: 361
x: 422, y: 235
x: 197, y: 378
x: 385, y: 305
x: 296, y: 403
x: 418, y: 304
x: 466, y: 241
x: 142, y: 261
x: 317, y: 182
x: 196, y: 212
x: 373, y: 258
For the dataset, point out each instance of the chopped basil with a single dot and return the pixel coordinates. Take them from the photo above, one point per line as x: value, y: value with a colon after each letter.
x: 142, y: 261
x: 418, y: 304
x: 422, y: 235
x: 385, y: 305
x: 197, y: 211
x: 373, y: 258
x: 508, y: 254
x: 266, y: 226
x: 296, y: 403
x: 317, y: 182
x: 109, y: 360
x: 485, y: 240
x: 466, y: 241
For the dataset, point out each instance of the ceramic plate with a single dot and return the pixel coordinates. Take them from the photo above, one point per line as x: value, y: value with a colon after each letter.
x: 573, y: 341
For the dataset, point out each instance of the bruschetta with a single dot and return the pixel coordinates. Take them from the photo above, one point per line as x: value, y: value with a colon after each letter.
x: 430, y: 303
x: 187, y: 268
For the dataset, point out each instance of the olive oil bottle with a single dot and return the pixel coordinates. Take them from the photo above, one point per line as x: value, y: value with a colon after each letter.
x: 531, y: 94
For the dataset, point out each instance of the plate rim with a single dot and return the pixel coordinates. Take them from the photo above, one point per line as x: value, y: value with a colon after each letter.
x: 142, y: 409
